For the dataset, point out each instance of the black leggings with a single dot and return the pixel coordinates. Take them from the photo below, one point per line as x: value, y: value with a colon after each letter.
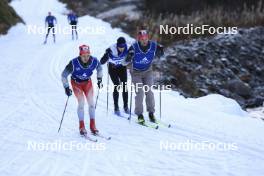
x: 74, y: 27
x: 119, y: 75
x: 50, y: 27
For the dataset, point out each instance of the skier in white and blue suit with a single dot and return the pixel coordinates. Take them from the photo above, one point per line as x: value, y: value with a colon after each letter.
x: 115, y: 55
x: 141, y: 55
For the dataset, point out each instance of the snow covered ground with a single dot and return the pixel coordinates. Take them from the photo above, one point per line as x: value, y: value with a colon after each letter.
x: 257, y: 112
x: 32, y: 101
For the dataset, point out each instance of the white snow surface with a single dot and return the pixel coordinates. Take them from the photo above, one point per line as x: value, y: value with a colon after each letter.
x: 32, y: 102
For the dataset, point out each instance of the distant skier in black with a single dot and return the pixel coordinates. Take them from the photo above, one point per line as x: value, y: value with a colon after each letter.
x: 115, y: 55
x: 73, y: 20
x: 50, y: 22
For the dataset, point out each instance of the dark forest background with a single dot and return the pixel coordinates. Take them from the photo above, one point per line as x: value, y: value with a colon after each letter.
x: 189, y: 6
x: 8, y: 16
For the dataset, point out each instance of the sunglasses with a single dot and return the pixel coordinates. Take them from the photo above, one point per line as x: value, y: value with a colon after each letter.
x: 121, y: 45
x: 86, y: 48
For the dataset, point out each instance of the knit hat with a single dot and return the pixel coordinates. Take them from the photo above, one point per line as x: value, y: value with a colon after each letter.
x: 84, y: 49
x: 121, y: 42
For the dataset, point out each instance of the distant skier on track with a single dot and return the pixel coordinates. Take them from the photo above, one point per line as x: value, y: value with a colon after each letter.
x: 115, y: 54
x: 50, y: 22
x: 73, y: 20
x: 81, y: 69
x: 141, y: 54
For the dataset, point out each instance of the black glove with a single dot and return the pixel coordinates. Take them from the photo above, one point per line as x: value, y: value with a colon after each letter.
x: 108, y: 51
x: 160, y: 51
x: 99, y: 83
x: 68, y: 91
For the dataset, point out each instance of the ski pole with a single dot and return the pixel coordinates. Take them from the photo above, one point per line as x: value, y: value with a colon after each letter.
x: 157, y: 40
x: 160, y: 94
x: 63, y: 113
x: 96, y: 98
x: 160, y: 103
x: 107, y: 91
x: 131, y: 93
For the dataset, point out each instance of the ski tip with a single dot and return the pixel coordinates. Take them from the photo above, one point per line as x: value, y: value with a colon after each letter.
x: 157, y: 127
x: 93, y: 140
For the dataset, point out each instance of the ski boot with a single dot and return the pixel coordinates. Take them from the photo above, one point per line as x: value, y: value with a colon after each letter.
x: 117, y: 111
x: 141, y: 119
x: 152, y: 117
x: 93, y: 127
x: 45, y: 42
x: 82, y: 128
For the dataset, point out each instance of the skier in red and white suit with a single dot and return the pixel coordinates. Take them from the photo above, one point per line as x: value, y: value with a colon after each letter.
x: 81, y: 69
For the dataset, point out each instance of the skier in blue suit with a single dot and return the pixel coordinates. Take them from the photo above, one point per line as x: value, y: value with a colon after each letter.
x: 141, y: 55
x: 73, y: 20
x: 50, y: 22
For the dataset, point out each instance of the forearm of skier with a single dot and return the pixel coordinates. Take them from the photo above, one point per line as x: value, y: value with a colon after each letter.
x: 129, y: 57
x: 99, y: 70
x: 64, y: 75
x: 160, y: 50
x: 104, y: 59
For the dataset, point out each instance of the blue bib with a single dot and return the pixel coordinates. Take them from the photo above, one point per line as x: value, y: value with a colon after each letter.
x: 72, y: 17
x: 142, y: 60
x: 80, y: 73
x: 50, y: 20
x: 116, y: 59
